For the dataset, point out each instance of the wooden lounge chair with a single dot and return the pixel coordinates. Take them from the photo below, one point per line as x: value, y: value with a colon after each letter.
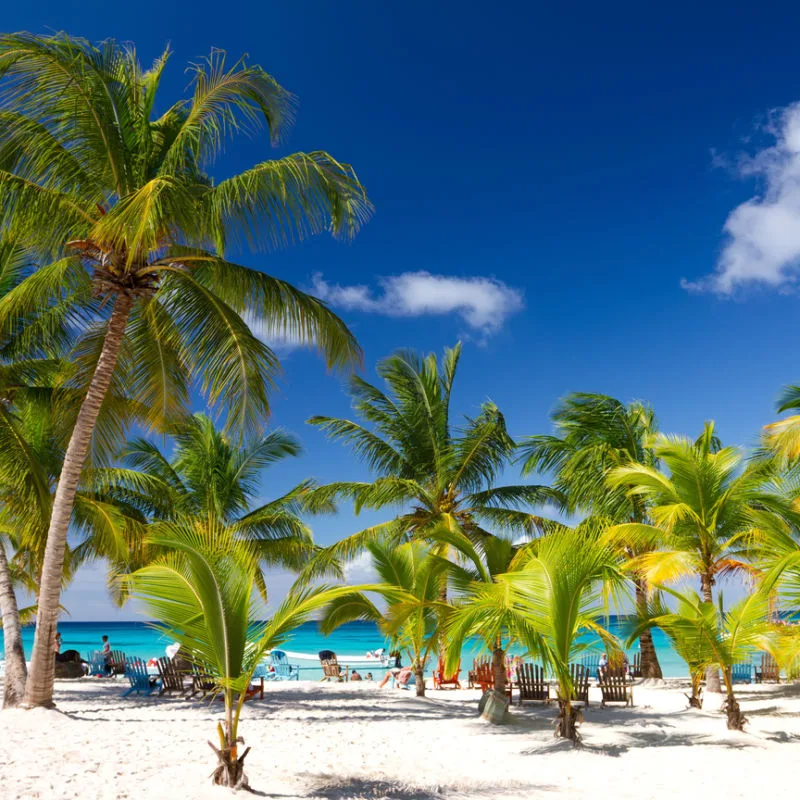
x: 592, y: 664
x: 97, y: 664
x: 202, y: 683
x: 484, y: 678
x: 282, y: 670
x: 742, y: 672
x: 331, y: 671
x: 615, y: 686
x: 532, y: 683
x: 768, y: 672
x: 141, y: 682
x: 636, y: 668
x: 580, y: 683
x: 117, y: 662
x: 441, y: 679
x: 172, y: 679
x: 471, y: 675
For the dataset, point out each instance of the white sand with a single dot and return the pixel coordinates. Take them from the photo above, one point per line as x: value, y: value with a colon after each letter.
x: 314, y: 740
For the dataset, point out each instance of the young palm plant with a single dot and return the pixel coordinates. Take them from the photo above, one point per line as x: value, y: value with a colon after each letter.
x: 410, y: 584
x: 209, y: 475
x: 439, y: 476
x: 127, y: 224
x: 201, y: 593
x: 706, y: 637
x: 594, y: 434
x: 704, y: 510
x: 552, y: 600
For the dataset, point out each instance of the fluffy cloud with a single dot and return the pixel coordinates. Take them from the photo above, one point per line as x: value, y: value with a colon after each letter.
x: 763, y: 233
x: 483, y: 303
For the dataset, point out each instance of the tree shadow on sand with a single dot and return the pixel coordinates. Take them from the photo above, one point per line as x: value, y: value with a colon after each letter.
x: 360, y: 788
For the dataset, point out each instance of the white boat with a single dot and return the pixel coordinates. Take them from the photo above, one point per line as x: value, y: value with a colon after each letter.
x: 379, y: 658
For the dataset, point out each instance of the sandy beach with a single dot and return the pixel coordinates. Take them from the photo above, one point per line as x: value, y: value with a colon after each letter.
x: 313, y: 740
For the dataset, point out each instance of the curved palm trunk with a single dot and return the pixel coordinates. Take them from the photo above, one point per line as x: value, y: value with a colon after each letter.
x: 650, y: 666
x: 16, y: 671
x: 39, y: 690
x: 712, y: 673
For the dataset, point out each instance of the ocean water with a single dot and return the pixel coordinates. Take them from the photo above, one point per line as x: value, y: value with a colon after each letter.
x: 356, y: 638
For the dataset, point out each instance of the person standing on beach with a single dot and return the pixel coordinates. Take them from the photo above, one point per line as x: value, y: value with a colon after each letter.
x: 107, y: 657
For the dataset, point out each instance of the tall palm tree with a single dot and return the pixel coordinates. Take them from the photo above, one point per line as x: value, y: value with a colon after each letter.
x: 125, y: 221
x: 438, y: 473
x: 209, y: 476
x: 704, y: 509
x: 595, y: 433
x: 410, y: 582
x: 201, y: 593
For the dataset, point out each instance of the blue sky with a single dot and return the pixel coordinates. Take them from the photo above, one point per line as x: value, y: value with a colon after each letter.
x: 566, y: 173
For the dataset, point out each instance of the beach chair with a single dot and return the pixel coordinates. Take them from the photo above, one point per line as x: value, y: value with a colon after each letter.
x: 532, y: 683
x: 476, y: 664
x: 331, y: 671
x: 117, y: 662
x: 282, y: 670
x: 768, y: 672
x: 636, y: 667
x: 484, y: 678
x: 202, y: 683
x: 580, y: 683
x: 441, y: 679
x: 260, y: 674
x: 97, y: 664
x: 141, y: 682
x: 742, y: 672
x: 172, y: 679
x: 615, y: 686
x: 592, y: 664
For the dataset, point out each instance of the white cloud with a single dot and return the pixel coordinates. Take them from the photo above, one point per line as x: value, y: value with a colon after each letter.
x: 483, y: 303
x: 360, y: 570
x: 763, y: 233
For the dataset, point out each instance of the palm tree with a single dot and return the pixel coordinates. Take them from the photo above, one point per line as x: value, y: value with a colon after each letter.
x: 31, y: 455
x: 551, y: 600
x: 439, y: 475
x: 706, y: 637
x: 125, y: 221
x: 209, y: 476
x: 410, y: 585
x: 202, y: 594
x: 594, y: 434
x: 704, y: 511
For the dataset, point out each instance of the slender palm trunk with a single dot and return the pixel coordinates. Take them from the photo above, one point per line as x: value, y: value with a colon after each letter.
x: 712, y: 673
x: 650, y: 666
x: 499, y: 667
x: 569, y: 717
x: 696, y: 697
x: 16, y: 671
x: 39, y: 689
x: 419, y: 676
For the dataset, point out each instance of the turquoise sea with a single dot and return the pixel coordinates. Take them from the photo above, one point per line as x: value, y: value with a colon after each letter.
x: 356, y: 638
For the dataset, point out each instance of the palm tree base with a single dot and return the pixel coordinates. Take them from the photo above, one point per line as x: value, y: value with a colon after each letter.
x: 736, y: 720
x: 567, y: 722
x: 230, y: 771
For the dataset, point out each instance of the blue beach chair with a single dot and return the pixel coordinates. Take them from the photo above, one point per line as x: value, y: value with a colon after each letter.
x: 97, y: 664
x: 742, y: 672
x: 283, y: 670
x: 141, y: 682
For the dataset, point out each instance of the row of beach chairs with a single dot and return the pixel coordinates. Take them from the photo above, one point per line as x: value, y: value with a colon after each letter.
x: 192, y: 680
